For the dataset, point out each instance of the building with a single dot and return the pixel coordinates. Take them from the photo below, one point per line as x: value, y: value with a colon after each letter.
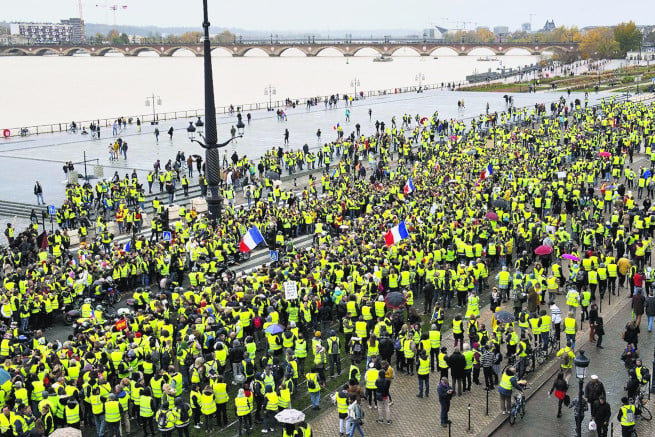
x: 136, y: 39
x: 526, y: 27
x: 68, y: 31
x: 549, y: 26
x: 501, y: 30
x: 77, y: 26
x: 434, y: 33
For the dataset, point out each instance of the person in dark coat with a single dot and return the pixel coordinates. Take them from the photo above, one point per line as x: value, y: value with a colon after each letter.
x: 445, y: 393
x: 593, y: 391
x: 457, y: 364
x: 560, y: 387
x: 602, y: 416
x: 638, y: 306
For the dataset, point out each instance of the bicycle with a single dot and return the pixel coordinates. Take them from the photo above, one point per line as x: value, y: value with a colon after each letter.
x: 553, y: 344
x: 518, y: 406
x: 640, y: 403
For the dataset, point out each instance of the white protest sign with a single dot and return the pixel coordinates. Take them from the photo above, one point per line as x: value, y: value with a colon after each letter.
x: 290, y: 290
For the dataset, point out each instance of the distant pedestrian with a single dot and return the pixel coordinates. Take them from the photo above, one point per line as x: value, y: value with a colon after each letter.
x: 560, y: 387
x: 138, y: 125
x: 38, y: 192
x: 382, y: 385
x: 445, y: 395
x: 170, y: 133
x: 157, y: 135
x: 286, y: 137
x: 650, y: 309
x: 354, y: 417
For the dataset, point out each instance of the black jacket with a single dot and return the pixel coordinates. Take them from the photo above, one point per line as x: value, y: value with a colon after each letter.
x: 457, y: 364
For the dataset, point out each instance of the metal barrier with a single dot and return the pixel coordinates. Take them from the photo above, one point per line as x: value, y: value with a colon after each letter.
x: 222, y: 110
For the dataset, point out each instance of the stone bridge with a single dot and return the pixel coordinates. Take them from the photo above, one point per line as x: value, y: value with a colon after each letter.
x: 278, y: 48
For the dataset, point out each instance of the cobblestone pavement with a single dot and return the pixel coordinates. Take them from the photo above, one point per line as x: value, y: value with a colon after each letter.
x: 413, y: 416
x: 541, y: 412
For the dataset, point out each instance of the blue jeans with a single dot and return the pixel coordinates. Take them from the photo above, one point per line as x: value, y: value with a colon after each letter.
x: 445, y: 406
x: 353, y: 426
x: 571, y: 338
x: 650, y: 323
x: 100, y: 424
x: 315, y: 398
x: 425, y: 380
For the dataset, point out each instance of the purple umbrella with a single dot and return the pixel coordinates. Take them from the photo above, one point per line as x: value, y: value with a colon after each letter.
x: 570, y: 257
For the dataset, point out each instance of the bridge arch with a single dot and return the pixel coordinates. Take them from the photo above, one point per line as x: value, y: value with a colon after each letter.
x: 222, y: 51
x: 367, y: 51
x: 45, y: 51
x: 17, y: 51
x: 76, y: 51
x: 405, y: 49
x: 179, y: 51
x: 254, y: 51
x: 327, y: 51
x: 444, y: 51
x: 138, y: 51
x: 292, y: 52
x: 518, y: 51
x: 480, y: 51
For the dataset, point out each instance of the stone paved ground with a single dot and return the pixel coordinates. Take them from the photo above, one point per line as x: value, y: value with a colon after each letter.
x: 421, y: 416
x: 540, y: 418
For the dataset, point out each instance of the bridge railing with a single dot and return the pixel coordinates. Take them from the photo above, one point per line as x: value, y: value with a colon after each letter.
x: 193, y: 114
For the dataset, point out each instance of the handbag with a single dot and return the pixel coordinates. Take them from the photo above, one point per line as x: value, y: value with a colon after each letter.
x: 567, y: 400
x: 592, y: 425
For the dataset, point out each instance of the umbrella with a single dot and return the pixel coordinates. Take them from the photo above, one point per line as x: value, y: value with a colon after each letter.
x: 500, y: 203
x: 491, y: 216
x: 570, y: 257
x: 4, y: 376
x: 395, y: 299
x: 503, y: 316
x: 290, y: 416
x: 67, y: 432
x: 272, y: 175
x: 605, y: 154
x: 424, y: 120
x: 274, y: 329
x: 543, y: 250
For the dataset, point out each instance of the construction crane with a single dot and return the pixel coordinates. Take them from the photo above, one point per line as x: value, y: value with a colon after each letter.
x: 114, y: 7
x: 79, y: 5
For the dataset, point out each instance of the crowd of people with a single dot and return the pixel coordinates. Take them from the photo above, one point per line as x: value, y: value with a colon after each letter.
x: 203, y: 344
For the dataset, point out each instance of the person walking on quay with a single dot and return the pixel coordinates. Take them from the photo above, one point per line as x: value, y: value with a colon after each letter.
x: 626, y: 417
x: 286, y: 137
x: 638, y: 306
x: 508, y: 382
x: 566, y: 357
x: 157, y: 135
x: 602, y: 416
x: 38, y: 192
x: 457, y: 364
x: 354, y: 417
x: 170, y: 133
x: 487, y: 362
x: 650, y: 309
x: 382, y: 385
x: 445, y: 393
x: 423, y: 373
x: 560, y: 387
x: 593, y: 391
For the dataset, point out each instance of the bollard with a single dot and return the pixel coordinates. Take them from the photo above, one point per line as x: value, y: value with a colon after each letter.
x: 487, y: 401
x: 469, y: 417
x: 449, y: 428
x: 612, y: 429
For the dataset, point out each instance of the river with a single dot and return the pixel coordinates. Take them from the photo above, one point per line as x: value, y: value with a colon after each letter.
x: 53, y: 89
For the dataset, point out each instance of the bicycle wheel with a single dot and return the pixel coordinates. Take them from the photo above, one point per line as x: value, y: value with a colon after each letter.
x: 541, y: 358
x: 522, y: 410
x: 645, y: 413
x: 512, y: 415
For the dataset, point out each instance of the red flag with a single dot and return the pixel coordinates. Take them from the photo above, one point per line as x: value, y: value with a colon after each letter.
x: 121, y: 324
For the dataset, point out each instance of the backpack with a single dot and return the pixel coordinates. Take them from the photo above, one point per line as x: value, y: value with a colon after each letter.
x: 397, y: 345
x: 629, y: 415
x: 311, y: 384
x: 257, y: 322
x: 162, y: 420
x: 184, y: 412
x: 564, y: 359
x: 357, y: 347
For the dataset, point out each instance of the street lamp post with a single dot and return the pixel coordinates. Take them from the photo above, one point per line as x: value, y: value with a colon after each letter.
x: 581, y: 364
x: 355, y: 83
x: 212, y: 157
x: 420, y: 78
x: 150, y: 101
x: 270, y: 91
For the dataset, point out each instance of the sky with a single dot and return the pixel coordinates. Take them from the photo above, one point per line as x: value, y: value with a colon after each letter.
x: 333, y: 15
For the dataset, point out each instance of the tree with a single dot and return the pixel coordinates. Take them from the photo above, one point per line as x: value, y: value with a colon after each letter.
x: 190, y: 37
x: 628, y: 37
x: 225, y: 37
x: 98, y: 38
x: 599, y: 43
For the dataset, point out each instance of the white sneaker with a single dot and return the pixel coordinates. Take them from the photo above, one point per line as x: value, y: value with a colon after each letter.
x: 264, y: 431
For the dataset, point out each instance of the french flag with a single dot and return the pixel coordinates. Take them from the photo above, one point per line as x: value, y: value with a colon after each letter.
x: 250, y: 240
x: 487, y: 172
x: 409, y: 186
x: 396, y: 234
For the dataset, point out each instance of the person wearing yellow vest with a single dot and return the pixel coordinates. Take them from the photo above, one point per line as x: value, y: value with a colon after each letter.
x: 423, y: 373
x: 207, y: 406
x: 409, y: 351
x: 113, y: 411
x: 165, y: 419
x: 570, y: 328
x: 370, y: 377
x: 270, y: 409
x: 626, y: 416
x: 566, y: 357
x: 342, y: 408
x: 434, y: 336
x: 182, y: 414
x: 314, y: 383
x: 72, y: 414
x: 508, y: 382
x: 573, y: 300
x: 458, y: 331
x: 146, y: 411
x: 243, y: 407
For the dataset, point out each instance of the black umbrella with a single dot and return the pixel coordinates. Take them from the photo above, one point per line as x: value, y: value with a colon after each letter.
x: 395, y: 299
x: 272, y: 175
x: 504, y: 316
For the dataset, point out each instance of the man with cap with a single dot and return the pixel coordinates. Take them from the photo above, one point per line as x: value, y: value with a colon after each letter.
x: 593, y: 391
